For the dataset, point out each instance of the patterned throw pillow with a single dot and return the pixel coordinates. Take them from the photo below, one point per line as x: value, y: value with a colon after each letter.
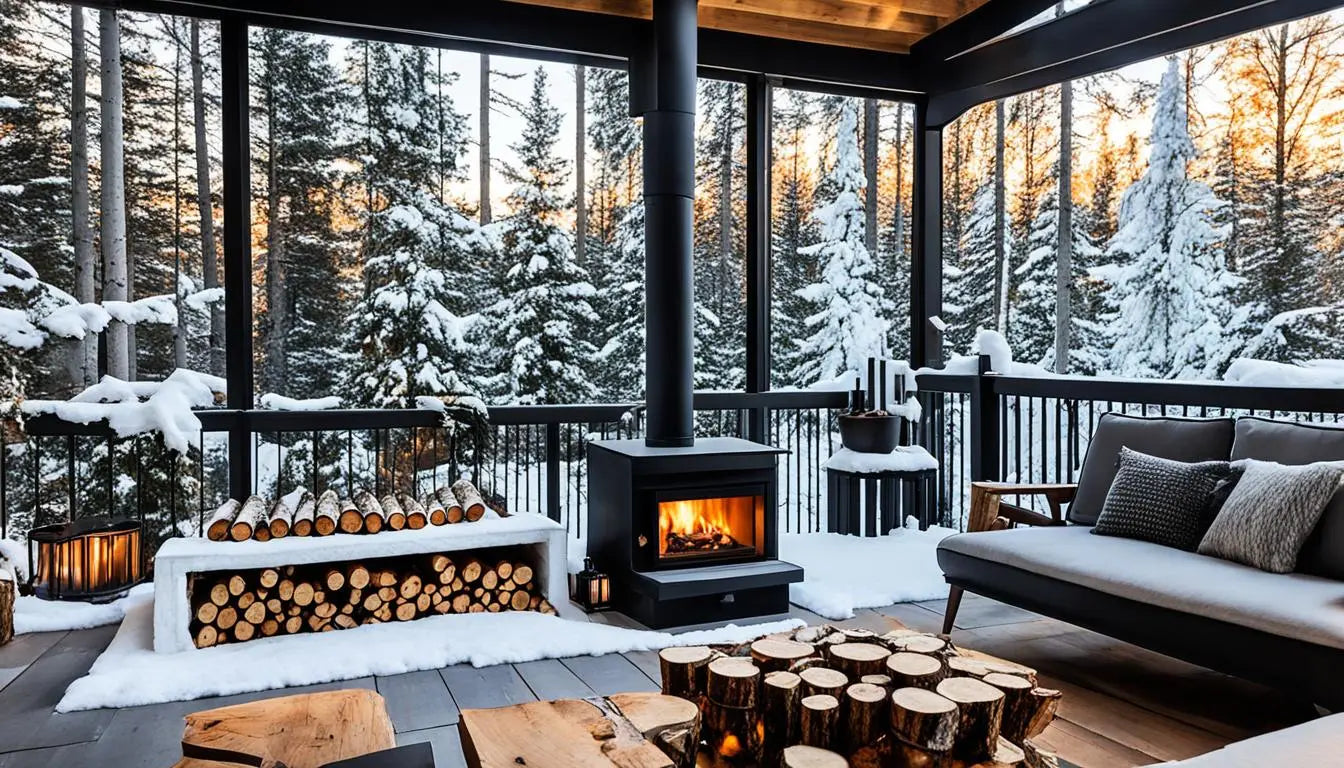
x: 1271, y: 512
x: 1161, y: 501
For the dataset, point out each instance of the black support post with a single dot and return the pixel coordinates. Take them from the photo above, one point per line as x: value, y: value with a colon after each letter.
x: 237, y: 250
x: 669, y: 192
x: 926, y: 267
x: 758, y: 250
x: 985, y: 433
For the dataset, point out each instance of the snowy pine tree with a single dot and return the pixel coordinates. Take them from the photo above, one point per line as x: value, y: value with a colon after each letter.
x: 540, y: 322
x: 849, y: 323
x: 720, y: 240
x: 621, y: 298
x: 970, y: 304
x: 794, y: 230
x: 406, y: 332
x: 1169, y: 291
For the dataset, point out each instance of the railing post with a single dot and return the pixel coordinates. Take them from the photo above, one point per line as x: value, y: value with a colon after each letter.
x: 984, y: 425
x: 758, y: 251
x: 237, y: 249
x: 553, y: 471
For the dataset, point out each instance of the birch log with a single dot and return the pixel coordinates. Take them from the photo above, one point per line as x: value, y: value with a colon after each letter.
x: 416, y: 517
x: 452, y: 507
x: 434, y: 509
x: 473, y: 505
x: 251, y: 515
x: 222, y: 520
x: 281, y: 519
x: 393, y: 514
x: 303, y: 516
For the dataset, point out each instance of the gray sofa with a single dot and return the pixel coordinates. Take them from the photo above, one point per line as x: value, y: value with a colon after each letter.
x: 1211, y: 612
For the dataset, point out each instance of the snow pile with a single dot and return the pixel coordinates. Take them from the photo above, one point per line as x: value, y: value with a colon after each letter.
x: 14, y: 558
x: 844, y: 573
x: 1266, y: 373
x: 133, y: 408
x: 992, y: 343
x: 274, y: 402
x: 32, y: 614
x: 906, y: 458
x: 129, y: 673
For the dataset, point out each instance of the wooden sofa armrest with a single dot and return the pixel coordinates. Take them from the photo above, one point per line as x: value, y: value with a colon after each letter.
x: 989, y: 512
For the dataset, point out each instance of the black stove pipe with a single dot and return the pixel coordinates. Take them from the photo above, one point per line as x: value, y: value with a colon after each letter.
x: 669, y: 192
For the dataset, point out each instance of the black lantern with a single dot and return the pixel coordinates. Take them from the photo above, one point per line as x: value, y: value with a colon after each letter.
x: 592, y: 588
x: 95, y: 559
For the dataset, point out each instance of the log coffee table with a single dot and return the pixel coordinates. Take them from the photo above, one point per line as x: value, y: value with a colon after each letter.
x: 822, y: 697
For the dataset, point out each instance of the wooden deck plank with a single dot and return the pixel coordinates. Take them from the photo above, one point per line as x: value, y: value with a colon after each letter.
x: 610, y: 674
x: 22, y: 651
x: 977, y: 612
x: 913, y: 616
x: 549, y: 679
x: 445, y: 741
x: 1088, y: 750
x: 418, y: 700
x: 486, y: 687
x: 647, y: 661
x: 28, y: 703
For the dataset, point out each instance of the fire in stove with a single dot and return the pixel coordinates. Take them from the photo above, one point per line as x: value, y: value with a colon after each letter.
x: 711, y: 527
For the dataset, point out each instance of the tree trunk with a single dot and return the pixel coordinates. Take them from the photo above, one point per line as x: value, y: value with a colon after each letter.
x: 485, y: 138
x: 580, y: 166
x: 277, y: 298
x: 898, y: 216
x: 1064, y: 261
x: 204, y: 206
x: 85, y: 351
x: 180, y: 330
x: 1000, y: 224
x: 113, y: 194
x: 870, y: 122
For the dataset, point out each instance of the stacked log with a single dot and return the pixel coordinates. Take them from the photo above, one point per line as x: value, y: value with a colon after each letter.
x: 261, y: 520
x: 828, y: 696
x: 242, y: 606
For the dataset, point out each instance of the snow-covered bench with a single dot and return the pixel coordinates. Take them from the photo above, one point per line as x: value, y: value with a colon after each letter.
x: 179, y: 557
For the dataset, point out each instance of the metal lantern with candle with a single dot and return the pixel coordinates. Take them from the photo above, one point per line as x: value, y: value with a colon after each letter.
x: 96, y: 559
x: 592, y: 588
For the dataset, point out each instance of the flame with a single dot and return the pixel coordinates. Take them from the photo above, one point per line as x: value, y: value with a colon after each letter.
x: 730, y: 747
x: 694, y: 516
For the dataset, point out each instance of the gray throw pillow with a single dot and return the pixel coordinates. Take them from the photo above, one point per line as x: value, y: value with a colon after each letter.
x: 1161, y: 501
x: 1270, y: 513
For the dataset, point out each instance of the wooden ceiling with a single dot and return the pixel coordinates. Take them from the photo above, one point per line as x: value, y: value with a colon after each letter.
x: 883, y: 25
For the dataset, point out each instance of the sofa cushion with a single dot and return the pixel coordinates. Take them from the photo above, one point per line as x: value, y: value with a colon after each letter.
x: 1178, y: 439
x: 1270, y: 513
x: 1316, y: 742
x: 1290, y: 442
x: 1293, y: 605
x: 1161, y: 501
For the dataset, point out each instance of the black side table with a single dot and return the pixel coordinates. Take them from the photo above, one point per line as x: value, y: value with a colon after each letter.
x: 859, y: 486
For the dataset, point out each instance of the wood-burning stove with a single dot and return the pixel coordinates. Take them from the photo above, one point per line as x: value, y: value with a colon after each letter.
x: 688, y: 535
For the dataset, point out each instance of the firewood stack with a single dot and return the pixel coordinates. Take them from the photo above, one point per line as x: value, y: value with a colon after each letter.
x: 322, y: 597
x: 824, y: 696
x: 261, y: 519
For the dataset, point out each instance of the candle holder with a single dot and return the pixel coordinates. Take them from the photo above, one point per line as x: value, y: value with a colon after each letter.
x: 95, y: 559
x: 592, y: 588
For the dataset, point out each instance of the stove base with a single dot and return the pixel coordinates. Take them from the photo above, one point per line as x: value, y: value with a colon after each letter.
x: 704, y: 609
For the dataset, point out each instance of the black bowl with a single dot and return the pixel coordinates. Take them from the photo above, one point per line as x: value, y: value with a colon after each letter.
x: 870, y: 434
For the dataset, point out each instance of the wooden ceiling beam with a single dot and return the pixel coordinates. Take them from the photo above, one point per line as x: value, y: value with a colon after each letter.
x: 807, y: 31
x: 889, y: 16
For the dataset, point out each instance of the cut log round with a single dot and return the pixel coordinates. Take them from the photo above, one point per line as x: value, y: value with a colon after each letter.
x: 206, y: 612
x: 371, y: 512
x: 393, y: 514
x: 671, y: 724
x: 416, y: 517
x: 244, y: 631
x: 819, y: 680
x: 505, y: 570
x: 781, y: 697
x: 733, y: 682
x: 329, y: 512
x: 915, y: 670
x: 884, y: 681
x: 803, y: 756
x: 522, y: 574
x: 473, y: 505
x: 772, y: 654
x: 1045, y: 705
x: 471, y: 571
x: 350, y: 519
x: 219, y: 594
x: 924, y: 719
x: 255, y: 613
x: 967, y: 666
x: 980, y: 714
x: 520, y: 600
x: 358, y: 578
x: 237, y: 584
x: 222, y: 521
x: 452, y: 507
x: 683, y: 670
x: 303, y: 516
x: 228, y: 616
x: 206, y: 636
x: 819, y: 721
x: 250, y: 515
x: 334, y: 579
x: 1019, y: 706
x: 866, y: 718
x: 858, y: 659
x: 434, y: 509
x: 303, y: 594
x: 280, y: 520
x: 919, y: 643
x: 268, y: 577
x: 410, y: 587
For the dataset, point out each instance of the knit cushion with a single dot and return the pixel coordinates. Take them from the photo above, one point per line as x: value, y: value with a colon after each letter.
x: 1271, y: 512
x: 1161, y: 501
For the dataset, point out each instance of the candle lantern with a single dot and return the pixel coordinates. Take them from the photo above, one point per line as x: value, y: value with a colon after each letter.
x: 95, y: 559
x: 592, y: 588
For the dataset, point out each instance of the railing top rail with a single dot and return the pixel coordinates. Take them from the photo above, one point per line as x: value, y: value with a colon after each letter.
x: 935, y: 381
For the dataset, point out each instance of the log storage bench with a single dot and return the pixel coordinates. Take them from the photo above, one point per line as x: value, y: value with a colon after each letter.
x: 213, y: 592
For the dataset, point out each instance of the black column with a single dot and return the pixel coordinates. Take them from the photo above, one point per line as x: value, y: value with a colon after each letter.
x: 758, y: 249
x: 237, y: 249
x: 926, y: 266
x: 669, y: 190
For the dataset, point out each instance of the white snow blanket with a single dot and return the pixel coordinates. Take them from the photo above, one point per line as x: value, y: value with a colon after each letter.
x: 129, y: 673
x: 906, y: 458
x: 34, y: 615
x: 1267, y: 373
x: 845, y: 573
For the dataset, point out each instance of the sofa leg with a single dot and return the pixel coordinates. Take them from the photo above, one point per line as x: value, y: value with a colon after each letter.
x: 953, y: 604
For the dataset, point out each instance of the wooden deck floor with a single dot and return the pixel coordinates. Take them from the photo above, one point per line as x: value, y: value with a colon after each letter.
x: 1123, y: 706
